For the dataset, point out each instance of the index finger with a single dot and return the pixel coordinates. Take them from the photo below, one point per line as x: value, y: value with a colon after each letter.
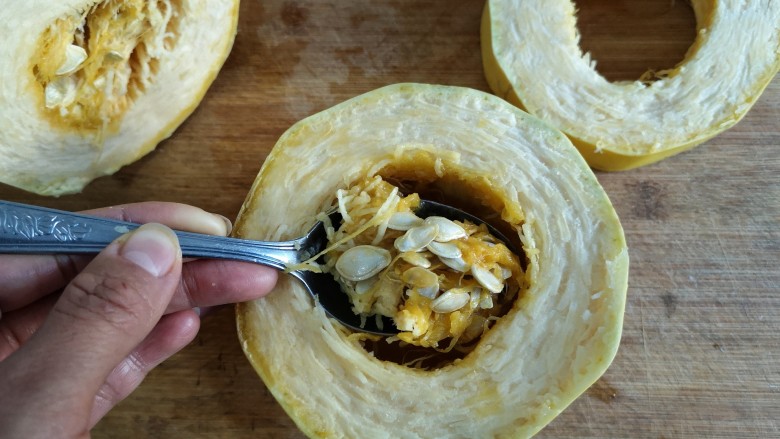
x: 26, y: 278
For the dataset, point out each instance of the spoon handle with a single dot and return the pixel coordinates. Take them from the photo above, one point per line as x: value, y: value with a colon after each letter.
x: 26, y: 229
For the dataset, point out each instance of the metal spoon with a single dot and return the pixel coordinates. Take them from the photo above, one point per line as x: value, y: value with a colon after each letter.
x: 26, y: 229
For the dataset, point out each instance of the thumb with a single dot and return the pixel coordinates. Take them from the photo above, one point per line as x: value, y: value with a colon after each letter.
x: 106, y: 311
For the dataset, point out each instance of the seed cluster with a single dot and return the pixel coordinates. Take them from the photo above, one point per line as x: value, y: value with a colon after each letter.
x: 437, y: 278
x: 92, y: 65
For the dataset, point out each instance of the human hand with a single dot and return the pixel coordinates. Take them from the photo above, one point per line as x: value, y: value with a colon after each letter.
x: 78, y: 335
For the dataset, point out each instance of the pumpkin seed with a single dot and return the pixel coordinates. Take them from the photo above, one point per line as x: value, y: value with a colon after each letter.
x: 424, y: 281
x: 404, y: 221
x: 74, y: 57
x: 506, y: 273
x: 487, y: 279
x: 448, y: 230
x: 486, y: 301
x: 429, y: 292
x: 418, y: 276
x: 113, y: 55
x: 445, y: 249
x: 364, y: 286
x: 362, y: 261
x: 60, y: 92
x: 416, y: 238
x: 451, y: 300
x: 416, y: 259
x: 457, y: 264
x: 475, y: 295
x: 475, y: 329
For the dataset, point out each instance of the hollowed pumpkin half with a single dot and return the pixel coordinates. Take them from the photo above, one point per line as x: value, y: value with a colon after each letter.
x: 89, y: 86
x: 532, y: 58
x: 476, y: 151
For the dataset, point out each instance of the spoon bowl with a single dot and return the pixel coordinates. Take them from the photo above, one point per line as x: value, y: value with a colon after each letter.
x: 26, y: 229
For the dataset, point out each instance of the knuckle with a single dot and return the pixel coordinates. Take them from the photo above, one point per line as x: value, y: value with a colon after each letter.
x: 189, y: 285
x: 108, y: 392
x: 112, y: 299
x: 123, y: 379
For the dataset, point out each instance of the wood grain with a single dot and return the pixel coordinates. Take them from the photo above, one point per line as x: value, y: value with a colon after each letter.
x: 700, y: 354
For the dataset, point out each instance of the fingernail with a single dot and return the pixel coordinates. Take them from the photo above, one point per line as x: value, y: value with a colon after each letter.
x: 152, y: 247
x: 228, y: 223
x: 213, y: 224
x: 203, y: 311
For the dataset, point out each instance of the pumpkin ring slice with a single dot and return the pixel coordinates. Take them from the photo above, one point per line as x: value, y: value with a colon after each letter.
x: 90, y: 86
x: 532, y: 58
x: 477, y: 152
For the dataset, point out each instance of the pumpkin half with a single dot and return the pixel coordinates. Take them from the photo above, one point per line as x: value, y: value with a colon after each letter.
x: 532, y: 58
x: 472, y: 150
x: 89, y: 86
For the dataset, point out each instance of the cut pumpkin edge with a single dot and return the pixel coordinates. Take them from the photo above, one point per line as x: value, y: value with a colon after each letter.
x: 74, y: 184
x: 606, y: 158
x: 308, y: 422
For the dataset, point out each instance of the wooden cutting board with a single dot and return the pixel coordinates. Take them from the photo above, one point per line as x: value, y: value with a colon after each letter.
x: 700, y: 354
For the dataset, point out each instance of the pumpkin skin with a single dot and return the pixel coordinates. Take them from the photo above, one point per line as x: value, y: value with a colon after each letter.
x: 623, y: 125
x: 558, y: 338
x: 145, y: 66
